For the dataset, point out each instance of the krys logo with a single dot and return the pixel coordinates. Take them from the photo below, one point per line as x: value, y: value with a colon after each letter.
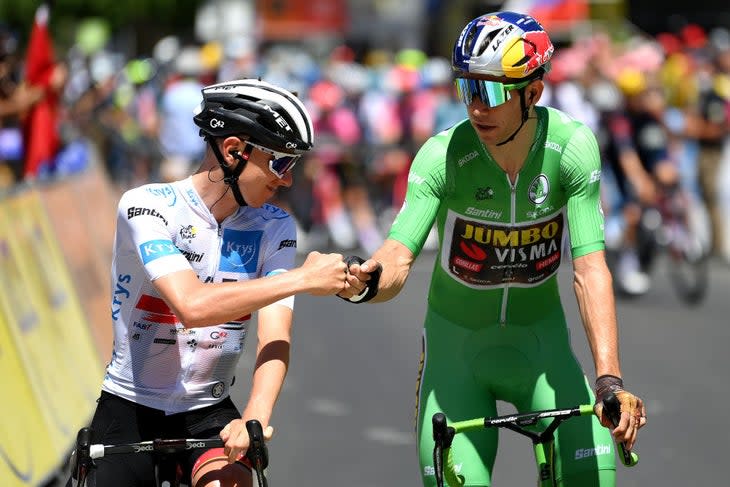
x: 539, y: 189
x: 164, y: 191
x: 154, y: 249
x: 240, y: 251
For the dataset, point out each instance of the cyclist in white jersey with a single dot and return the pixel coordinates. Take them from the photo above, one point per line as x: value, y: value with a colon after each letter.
x: 192, y: 261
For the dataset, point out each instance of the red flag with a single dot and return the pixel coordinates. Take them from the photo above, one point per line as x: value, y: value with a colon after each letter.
x: 40, y: 131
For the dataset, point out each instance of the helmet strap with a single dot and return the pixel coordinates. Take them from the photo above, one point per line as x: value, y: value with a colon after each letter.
x: 230, y: 176
x: 525, y: 115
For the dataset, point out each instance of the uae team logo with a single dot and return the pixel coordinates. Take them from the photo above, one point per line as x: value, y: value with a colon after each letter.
x: 539, y: 189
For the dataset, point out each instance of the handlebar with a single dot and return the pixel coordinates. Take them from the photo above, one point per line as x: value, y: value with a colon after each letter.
x: 85, y: 452
x: 443, y: 433
x: 257, y: 452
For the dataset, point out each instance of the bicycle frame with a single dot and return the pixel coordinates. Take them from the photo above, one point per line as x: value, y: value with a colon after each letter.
x: 543, y: 441
x: 85, y: 453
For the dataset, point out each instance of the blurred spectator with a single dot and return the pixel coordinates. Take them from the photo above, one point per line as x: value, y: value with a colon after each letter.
x: 239, y: 59
x: 387, y: 111
x: 16, y: 98
x: 686, y: 126
x: 638, y: 152
x: 340, y: 184
x: 438, y: 82
x: 713, y: 69
x: 181, y: 146
x: 41, y: 137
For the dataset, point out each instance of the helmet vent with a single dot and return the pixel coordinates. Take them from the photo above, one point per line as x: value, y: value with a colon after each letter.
x: 485, y: 43
x: 469, y: 41
x: 524, y: 59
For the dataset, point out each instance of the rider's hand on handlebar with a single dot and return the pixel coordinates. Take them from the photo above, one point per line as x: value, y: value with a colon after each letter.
x: 633, y: 417
x: 235, y: 437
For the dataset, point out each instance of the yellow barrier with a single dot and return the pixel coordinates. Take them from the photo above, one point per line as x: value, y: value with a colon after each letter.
x: 82, y: 217
x: 49, y: 339
x: 24, y: 427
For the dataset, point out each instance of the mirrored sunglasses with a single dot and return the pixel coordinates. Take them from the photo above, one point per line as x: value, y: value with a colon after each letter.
x: 280, y: 163
x: 491, y: 93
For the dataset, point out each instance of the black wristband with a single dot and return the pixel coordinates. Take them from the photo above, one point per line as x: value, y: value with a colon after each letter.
x: 608, y: 383
x: 371, y: 290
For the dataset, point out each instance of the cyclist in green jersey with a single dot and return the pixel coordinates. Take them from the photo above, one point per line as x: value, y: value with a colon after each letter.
x: 504, y: 188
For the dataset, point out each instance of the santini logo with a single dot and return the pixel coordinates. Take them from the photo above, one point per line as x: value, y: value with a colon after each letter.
x: 138, y: 211
x: 471, y: 211
x: 592, y: 452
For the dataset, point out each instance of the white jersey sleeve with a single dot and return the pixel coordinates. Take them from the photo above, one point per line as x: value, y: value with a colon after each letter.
x: 143, y: 225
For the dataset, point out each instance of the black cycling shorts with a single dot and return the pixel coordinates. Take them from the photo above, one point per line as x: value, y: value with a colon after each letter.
x: 118, y: 420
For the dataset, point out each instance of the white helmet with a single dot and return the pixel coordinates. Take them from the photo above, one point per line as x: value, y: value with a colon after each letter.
x: 269, y: 115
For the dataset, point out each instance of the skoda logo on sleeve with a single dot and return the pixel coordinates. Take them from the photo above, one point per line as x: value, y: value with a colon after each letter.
x: 539, y: 189
x: 218, y: 389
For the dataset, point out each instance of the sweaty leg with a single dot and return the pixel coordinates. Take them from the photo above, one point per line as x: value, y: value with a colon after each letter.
x: 446, y: 384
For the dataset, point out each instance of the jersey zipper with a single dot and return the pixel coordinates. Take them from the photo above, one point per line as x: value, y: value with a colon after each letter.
x: 512, y: 219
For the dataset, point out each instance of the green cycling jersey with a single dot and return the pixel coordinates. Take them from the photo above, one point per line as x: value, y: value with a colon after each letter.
x: 501, y: 242
x: 495, y: 328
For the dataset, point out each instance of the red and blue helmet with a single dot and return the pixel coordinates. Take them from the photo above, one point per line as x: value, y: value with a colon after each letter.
x: 502, y: 44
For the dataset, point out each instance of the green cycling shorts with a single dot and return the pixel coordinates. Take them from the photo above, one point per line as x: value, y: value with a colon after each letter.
x: 465, y: 371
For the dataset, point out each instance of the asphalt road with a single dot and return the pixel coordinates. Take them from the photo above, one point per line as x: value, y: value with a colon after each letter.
x: 345, y: 416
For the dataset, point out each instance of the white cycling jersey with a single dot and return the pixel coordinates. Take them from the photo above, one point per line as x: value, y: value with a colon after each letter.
x: 165, y: 228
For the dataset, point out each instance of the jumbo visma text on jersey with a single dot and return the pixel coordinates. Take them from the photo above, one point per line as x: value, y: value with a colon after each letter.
x: 492, y: 254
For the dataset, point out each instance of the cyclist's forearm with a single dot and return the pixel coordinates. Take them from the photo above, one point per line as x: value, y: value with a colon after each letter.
x: 265, y: 389
x: 594, y: 294
x: 272, y: 362
x: 198, y: 304
x: 396, y: 260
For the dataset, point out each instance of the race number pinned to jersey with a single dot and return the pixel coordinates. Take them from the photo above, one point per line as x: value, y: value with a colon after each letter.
x: 482, y: 254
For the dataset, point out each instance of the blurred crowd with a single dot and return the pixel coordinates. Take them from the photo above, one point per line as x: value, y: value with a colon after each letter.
x: 667, y: 98
x: 373, y: 110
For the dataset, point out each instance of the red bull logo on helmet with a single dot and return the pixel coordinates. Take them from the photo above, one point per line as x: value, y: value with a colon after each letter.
x: 527, y: 53
x: 539, y: 48
x: 490, y: 20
